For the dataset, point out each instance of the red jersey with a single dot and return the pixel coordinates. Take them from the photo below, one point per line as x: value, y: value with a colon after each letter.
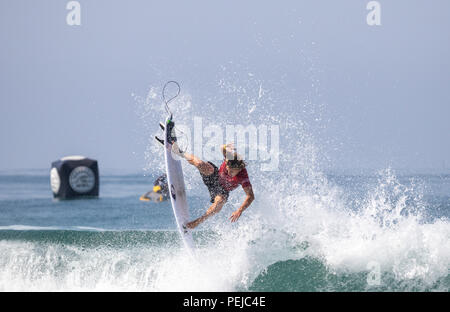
x: 230, y: 183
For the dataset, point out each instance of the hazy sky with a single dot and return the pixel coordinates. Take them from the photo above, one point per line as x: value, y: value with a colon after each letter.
x: 381, y: 93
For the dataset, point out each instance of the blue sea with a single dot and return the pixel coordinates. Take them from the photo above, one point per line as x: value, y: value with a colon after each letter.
x: 381, y: 231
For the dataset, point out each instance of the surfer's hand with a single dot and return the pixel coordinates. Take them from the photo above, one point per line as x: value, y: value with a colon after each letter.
x: 235, y: 215
x: 190, y: 225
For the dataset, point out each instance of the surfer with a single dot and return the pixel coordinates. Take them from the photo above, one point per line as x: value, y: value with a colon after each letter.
x: 160, y: 185
x: 221, y: 181
x: 160, y: 190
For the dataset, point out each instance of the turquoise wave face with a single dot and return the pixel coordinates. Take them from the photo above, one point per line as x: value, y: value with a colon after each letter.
x: 83, y: 238
x: 93, y: 239
x: 312, y: 275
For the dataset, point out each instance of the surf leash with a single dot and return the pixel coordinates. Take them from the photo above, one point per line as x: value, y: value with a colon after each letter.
x: 172, y: 98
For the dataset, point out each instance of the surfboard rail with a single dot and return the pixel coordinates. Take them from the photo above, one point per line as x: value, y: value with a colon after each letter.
x: 177, y: 188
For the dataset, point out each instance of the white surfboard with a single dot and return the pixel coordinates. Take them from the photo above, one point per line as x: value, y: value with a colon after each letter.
x: 177, y: 188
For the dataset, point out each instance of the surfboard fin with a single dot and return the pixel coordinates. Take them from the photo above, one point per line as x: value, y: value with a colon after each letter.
x: 172, y: 139
x: 161, y: 141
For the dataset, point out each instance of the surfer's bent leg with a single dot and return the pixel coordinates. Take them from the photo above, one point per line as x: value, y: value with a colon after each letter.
x: 204, y: 167
x: 219, y: 201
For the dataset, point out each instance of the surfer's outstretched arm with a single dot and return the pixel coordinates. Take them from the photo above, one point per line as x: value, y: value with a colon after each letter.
x: 247, y: 202
x: 219, y: 201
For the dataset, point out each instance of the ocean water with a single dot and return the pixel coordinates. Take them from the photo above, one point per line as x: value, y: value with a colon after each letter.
x: 325, y: 232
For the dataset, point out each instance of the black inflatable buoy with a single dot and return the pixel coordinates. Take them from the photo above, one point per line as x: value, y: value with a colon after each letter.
x: 74, y: 177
